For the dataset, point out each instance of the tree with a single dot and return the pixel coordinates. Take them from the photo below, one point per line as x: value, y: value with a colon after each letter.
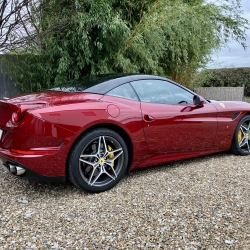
x: 18, y: 24
x: 167, y: 37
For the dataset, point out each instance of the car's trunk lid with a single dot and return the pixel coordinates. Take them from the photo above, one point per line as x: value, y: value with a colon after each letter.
x: 51, y: 97
x: 38, y: 100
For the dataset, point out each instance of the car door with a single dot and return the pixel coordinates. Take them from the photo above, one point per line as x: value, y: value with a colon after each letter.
x: 171, y: 122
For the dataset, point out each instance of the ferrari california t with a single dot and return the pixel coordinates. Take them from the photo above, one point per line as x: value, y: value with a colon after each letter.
x: 92, y: 131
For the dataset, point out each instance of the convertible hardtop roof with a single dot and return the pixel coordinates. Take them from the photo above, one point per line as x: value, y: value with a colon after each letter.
x: 101, y: 84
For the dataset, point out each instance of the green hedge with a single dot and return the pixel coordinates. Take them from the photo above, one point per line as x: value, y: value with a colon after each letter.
x: 225, y: 77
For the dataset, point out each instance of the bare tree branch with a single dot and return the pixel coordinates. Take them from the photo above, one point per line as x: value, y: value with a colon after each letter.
x: 22, y: 25
x: 16, y: 19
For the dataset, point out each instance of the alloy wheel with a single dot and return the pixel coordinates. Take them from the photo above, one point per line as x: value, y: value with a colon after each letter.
x: 101, y: 161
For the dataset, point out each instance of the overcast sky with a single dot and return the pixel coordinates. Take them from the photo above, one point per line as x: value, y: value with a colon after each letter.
x: 234, y: 55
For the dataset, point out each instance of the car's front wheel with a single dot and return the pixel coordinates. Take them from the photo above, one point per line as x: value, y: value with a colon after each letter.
x: 98, y: 160
x: 241, y: 139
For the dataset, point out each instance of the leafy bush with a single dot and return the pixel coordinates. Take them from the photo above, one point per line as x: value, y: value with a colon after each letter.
x: 72, y: 39
x: 225, y: 77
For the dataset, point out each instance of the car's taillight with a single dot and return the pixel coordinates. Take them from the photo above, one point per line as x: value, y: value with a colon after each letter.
x: 21, y: 109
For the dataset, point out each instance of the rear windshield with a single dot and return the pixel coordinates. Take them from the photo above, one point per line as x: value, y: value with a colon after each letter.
x: 84, y: 83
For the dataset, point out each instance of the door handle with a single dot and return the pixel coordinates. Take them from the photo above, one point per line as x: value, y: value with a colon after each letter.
x: 149, y: 118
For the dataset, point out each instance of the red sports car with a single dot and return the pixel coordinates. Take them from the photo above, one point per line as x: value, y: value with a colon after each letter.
x: 93, y: 130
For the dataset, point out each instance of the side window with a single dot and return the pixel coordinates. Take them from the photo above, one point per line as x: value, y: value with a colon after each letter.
x: 158, y: 91
x: 124, y: 91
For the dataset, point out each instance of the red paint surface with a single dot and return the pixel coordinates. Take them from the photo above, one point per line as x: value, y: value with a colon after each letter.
x: 113, y: 110
x: 158, y: 132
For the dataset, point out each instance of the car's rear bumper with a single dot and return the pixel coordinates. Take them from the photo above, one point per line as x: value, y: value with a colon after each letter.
x: 19, y: 169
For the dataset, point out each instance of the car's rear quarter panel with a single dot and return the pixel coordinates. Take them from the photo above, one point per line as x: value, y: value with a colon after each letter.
x: 61, y: 123
x: 34, y: 133
x: 80, y: 117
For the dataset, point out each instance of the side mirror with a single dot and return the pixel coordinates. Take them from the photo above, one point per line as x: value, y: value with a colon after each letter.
x: 198, y: 101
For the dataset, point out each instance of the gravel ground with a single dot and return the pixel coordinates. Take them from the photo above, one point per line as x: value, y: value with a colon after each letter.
x: 201, y: 203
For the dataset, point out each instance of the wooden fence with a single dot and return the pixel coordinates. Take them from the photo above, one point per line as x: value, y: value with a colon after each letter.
x: 221, y: 93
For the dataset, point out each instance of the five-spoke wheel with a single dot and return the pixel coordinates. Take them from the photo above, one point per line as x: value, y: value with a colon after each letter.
x: 241, y: 139
x: 98, y: 161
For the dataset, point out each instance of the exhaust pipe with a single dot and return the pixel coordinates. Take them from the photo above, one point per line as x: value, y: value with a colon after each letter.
x: 16, y: 170
x: 20, y: 171
x: 12, y: 168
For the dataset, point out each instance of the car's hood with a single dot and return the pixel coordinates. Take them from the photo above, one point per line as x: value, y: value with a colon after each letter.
x: 231, y: 105
x: 51, y: 98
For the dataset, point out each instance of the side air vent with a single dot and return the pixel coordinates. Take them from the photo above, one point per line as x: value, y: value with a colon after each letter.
x: 235, y: 115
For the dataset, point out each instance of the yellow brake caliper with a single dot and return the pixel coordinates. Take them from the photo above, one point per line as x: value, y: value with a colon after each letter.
x: 240, y: 135
x: 111, y: 155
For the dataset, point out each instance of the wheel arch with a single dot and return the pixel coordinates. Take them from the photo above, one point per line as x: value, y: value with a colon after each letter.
x: 240, y: 118
x: 235, y: 148
x: 247, y: 113
x: 113, y: 127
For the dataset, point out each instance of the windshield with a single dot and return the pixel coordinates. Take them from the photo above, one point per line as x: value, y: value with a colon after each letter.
x: 84, y: 83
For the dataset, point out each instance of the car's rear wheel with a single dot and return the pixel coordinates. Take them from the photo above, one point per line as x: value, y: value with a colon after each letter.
x: 98, y: 160
x: 241, y: 139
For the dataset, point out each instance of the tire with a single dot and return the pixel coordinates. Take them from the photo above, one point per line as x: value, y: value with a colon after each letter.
x: 241, y: 139
x: 98, y: 161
